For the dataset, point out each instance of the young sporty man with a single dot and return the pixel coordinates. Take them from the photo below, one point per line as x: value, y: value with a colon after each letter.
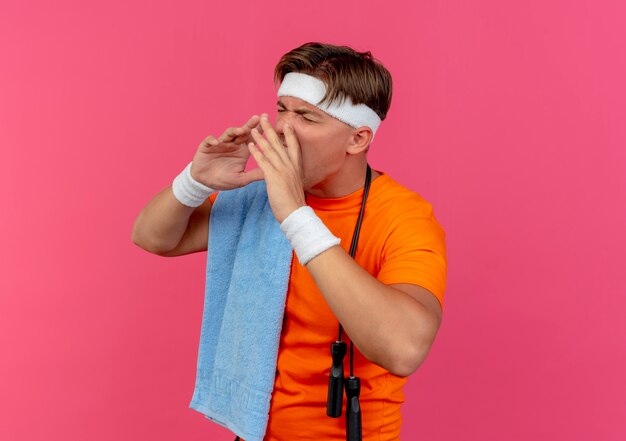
x: 313, y: 162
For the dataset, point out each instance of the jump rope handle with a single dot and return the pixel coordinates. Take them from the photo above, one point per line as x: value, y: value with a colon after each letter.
x: 334, y: 403
x: 354, y: 430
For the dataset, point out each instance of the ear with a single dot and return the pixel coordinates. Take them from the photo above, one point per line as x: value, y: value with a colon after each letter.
x: 359, y: 140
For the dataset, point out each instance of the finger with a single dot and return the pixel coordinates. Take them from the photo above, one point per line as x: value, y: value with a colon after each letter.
x: 256, y: 174
x: 249, y: 125
x: 223, y: 148
x: 269, y: 131
x: 259, y: 157
x: 266, y: 148
x: 252, y: 123
x: 230, y: 134
x: 273, y: 138
x: 210, y: 141
x: 293, y: 146
x: 244, y: 136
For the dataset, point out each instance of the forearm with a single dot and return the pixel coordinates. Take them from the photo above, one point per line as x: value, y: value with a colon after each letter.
x: 162, y: 223
x: 388, y: 326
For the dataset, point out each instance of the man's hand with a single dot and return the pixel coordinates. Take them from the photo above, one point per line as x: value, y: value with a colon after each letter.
x: 220, y: 163
x: 281, y: 167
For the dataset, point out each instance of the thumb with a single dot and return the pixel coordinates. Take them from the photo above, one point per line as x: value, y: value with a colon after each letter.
x: 256, y: 174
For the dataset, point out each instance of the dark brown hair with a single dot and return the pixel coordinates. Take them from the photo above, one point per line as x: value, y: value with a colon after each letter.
x: 346, y: 73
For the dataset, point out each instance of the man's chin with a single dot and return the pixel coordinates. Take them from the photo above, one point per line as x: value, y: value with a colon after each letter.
x: 306, y: 184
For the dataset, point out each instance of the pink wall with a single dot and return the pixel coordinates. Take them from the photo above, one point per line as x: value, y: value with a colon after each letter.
x: 505, y: 116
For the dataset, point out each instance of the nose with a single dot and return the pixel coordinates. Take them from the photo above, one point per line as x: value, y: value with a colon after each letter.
x: 282, y: 118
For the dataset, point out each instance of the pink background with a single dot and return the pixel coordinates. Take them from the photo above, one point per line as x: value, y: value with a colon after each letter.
x: 507, y: 116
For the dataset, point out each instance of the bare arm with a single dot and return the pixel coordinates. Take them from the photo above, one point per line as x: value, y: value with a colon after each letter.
x: 167, y: 227
x: 393, y: 326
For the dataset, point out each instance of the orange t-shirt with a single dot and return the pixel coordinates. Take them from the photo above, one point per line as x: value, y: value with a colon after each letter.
x: 400, y: 242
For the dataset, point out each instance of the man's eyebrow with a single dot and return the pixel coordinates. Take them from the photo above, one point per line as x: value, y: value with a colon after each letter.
x: 301, y: 110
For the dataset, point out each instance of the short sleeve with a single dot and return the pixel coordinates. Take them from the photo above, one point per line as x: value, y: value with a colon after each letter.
x: 415, y: 253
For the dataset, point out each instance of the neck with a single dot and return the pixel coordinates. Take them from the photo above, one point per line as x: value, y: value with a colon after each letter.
x: 350, y: 178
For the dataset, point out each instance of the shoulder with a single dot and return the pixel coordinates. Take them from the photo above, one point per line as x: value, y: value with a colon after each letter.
x: 404, y: 217
x: 397, y: 201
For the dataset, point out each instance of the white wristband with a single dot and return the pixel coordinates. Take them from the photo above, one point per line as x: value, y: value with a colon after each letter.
x: 308, y: 234
x: 188, y: 191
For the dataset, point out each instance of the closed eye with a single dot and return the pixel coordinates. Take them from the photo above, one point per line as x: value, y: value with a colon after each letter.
x: 302, y: 114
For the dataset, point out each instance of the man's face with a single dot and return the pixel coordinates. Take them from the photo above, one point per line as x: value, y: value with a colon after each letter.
x: 323, y: 139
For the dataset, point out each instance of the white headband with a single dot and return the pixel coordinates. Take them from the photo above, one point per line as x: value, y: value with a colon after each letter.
x: 312, y: 90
